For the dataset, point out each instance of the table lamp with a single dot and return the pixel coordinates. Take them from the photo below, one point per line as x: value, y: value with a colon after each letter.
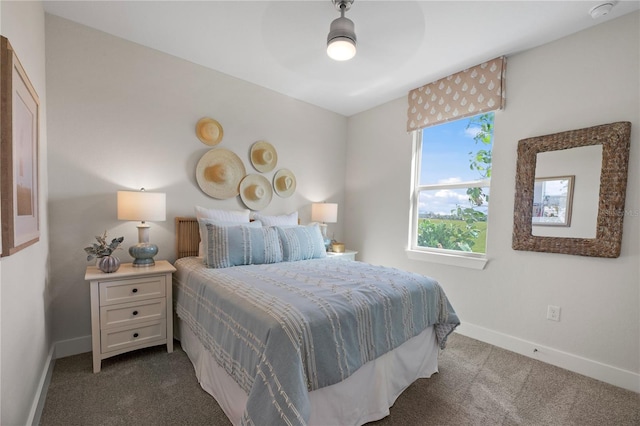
x: 324, y: 213
x: 142, y: 206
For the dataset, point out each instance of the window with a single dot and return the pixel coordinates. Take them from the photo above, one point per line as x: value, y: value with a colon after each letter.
x: 450, y: 196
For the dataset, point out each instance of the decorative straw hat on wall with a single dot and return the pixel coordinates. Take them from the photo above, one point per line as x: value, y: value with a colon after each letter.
x: 209, y: 131
x: 255, y: 192
x: 284, y: 183
x: 219, y: 173
x: 263, y: 156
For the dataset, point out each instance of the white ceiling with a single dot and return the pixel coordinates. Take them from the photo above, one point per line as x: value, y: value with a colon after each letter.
x: 281, y: 45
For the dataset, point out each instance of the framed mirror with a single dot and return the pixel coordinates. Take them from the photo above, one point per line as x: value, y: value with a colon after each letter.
x: 614, y: 139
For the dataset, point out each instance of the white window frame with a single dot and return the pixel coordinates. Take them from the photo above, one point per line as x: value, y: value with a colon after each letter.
x: 429, y: 254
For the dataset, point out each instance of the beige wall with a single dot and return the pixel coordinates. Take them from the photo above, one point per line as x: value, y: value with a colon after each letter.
x: 123, y: 117
x: 24, y: 282
x: 590, y: 78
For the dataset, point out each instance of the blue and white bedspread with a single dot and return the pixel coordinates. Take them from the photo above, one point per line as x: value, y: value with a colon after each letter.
x: 287, y: 328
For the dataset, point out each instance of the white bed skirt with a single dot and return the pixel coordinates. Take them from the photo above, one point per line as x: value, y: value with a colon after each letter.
x: 363, y: 397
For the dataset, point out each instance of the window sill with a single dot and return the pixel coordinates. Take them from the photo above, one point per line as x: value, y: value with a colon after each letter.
x: 471, y: 262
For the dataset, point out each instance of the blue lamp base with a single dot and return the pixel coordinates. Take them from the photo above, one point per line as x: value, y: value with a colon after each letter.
x: 143, y: 253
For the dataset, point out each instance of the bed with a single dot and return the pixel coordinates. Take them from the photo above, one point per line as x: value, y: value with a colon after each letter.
x: 314, y: 341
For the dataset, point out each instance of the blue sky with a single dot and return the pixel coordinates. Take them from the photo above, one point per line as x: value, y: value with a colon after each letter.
x: 445, y: 159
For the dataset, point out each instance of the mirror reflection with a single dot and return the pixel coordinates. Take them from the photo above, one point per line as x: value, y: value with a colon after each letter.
x: 574, y: 213
x: 552, y: 201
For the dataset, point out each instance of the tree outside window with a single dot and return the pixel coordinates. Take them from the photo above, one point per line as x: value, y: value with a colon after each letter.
x: 451, y: 185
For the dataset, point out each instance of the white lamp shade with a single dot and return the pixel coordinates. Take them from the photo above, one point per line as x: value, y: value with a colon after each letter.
x: 324, y: 212
x: 142, y: 206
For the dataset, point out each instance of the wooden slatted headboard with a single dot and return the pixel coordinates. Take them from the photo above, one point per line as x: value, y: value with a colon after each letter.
x: 187, y: 236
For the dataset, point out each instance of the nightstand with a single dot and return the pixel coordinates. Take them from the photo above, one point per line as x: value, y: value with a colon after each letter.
x: 130, y: 309
x: 346, y: 255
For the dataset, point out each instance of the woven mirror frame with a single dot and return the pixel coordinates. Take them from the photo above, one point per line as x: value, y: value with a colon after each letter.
x: 614, y: 138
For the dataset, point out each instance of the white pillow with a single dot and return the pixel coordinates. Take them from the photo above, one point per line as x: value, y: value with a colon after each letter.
x: 219, y: 215
x: 223, y: 215
x: 282, y: 220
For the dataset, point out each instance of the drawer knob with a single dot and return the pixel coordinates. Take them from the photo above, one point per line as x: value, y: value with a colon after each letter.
x: 135, y: 313
x: 135, y: 335
x: 135, y: 290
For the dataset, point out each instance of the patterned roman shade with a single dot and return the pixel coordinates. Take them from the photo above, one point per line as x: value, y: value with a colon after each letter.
x: 469, y: 92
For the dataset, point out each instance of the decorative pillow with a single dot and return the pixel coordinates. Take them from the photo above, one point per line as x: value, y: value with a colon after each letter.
x: 236, y: 216
x: 202, y: 227
x: 241, y: 245
x: 301, y: 242
x: 223, y: 215
x: 282, y: 220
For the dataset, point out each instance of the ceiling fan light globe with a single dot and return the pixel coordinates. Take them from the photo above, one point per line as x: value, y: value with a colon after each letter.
x: 341, y: 40
x: 341, y: 49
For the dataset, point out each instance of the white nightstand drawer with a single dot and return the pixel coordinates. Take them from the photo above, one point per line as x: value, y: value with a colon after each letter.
x: 117, y: 339
x: 130, y: 290
x: 132, y: 313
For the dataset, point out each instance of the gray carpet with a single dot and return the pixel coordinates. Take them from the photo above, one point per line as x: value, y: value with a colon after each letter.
x: 478, y: 384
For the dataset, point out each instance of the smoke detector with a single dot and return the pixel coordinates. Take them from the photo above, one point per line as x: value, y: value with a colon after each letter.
x: 601, y: 10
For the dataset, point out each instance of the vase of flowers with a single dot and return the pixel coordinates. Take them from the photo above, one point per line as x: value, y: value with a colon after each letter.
x: 107, y: 262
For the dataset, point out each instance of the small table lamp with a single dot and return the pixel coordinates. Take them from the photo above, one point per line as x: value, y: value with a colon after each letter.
x: 142, y: 206
x: 324, y: 213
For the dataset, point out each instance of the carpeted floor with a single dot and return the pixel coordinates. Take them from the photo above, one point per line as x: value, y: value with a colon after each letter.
x: 478, y: 384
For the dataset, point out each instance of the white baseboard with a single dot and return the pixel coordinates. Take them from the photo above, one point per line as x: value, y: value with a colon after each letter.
x: 594, y: 369
x: 41, y: 393
x: 78, y: 345
x: 58, y: 350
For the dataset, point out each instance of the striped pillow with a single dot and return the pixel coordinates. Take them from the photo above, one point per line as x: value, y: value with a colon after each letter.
x: 204, y: 241
x: 301, y: 242
x: 241, y: 245
x: 218, y: 215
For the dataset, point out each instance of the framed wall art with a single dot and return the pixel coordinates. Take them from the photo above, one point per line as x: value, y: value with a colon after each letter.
x: 552, y: 201
x: 19, y: 134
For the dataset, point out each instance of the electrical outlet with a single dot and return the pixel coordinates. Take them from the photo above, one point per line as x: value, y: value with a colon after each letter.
x: 553, y: 313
